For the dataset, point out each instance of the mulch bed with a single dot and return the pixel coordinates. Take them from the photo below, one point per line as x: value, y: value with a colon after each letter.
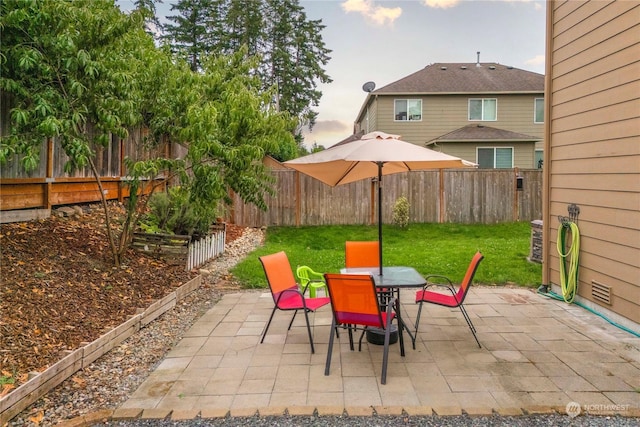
x: 60, y: 288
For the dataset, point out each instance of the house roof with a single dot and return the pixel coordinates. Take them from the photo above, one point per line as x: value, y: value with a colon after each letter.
x: 350, y: 138
x: 479, y: 133
x: 466, y: 78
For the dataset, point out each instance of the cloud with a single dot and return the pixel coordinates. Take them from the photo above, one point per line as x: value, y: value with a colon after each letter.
x: 327, y: 132
x: 377, y: 14
x: 443, y: 4
x: 536, y: 60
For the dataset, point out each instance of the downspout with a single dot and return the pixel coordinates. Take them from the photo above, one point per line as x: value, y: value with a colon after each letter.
x: 546, y: 165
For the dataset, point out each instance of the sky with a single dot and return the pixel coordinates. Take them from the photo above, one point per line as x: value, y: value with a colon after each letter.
x: 384, y: 40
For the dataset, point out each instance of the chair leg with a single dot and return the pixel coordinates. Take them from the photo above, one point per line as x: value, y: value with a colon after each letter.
x: 268, y: 324
x: 385, y: 355
x: 306, y: 316
x: 418, y: 318
x: 327, y: 365
x: 292, y: 319
x: 350, y: 337
x: 471, y: 327
x: 360, y: 340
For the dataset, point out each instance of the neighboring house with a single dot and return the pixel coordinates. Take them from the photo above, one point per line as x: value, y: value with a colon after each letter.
x: 592, y: 158
x: 487, y: 113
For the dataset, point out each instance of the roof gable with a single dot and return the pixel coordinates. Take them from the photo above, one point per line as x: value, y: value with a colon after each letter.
x: 479, y: 133
x: 466, y: 78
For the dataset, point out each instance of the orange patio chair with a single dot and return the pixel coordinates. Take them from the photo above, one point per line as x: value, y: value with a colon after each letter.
x: 286, y: 293
x: 354, y: 303
x: 451, y: 298
x: 362, y: 254
x: 365, y: 254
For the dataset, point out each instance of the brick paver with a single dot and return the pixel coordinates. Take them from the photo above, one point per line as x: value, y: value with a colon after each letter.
x: 537, y: 356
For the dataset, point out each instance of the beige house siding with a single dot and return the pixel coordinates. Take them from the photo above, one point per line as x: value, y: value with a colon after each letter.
x: 523, y: 151
x: 442, y: 114
x: 593, y: 153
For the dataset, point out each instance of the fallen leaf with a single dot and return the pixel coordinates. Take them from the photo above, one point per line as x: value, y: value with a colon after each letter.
x: 6, y: 389
x: 79, y: 381
x: 37, y: 419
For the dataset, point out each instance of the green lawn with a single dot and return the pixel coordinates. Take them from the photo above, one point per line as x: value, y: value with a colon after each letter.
x: 429, y: 248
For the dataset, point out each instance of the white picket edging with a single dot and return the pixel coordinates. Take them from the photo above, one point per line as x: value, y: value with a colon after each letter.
x: 206, y: 248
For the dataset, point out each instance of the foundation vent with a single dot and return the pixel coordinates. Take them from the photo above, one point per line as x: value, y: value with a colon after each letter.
x: 601, y: 292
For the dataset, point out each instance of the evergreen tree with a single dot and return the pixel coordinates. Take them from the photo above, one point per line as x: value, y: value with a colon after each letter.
x: 187, y: 34
x: 294, y: 59
x: 243, y: 26
x: 308, y: 54
x: 148, y: 10
x: 290, y: 46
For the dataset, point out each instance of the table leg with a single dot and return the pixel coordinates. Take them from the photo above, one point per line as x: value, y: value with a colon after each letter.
x: 401, y: 325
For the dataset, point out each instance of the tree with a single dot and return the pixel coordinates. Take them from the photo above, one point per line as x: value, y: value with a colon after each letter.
x: 148, y: 10
x: 290, y: 47
x: 243, y: 25
x: 192, y: 33
x: 70, y: 67
x: 81, y: 71
x: 294, y: 57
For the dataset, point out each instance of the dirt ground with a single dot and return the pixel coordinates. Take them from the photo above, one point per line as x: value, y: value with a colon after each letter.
x: 59, y: 288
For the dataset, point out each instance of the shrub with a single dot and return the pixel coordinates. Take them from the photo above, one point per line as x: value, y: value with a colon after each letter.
x: 175, y: 212
x: 401, y: 212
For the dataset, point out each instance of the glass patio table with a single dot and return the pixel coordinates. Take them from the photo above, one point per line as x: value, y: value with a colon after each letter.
x: 395, y: 279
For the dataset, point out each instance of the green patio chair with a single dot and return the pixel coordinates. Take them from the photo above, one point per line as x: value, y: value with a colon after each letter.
x: 311, y: 280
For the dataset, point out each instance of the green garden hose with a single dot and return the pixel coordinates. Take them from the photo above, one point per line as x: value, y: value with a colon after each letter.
x: 569, y: 279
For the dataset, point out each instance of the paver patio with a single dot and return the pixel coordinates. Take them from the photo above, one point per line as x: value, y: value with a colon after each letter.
x: 537, y: 355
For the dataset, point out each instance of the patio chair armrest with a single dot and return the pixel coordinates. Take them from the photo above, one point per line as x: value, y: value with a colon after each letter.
x: 448, y: 285
x: 438, y: 276
x: 304, y: 288
x: 316, y: 277
x: 295, y: 291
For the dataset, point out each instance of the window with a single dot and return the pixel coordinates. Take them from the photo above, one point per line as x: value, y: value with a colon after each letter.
x: 495, y: 157
x: 538, y: 159
x: 539, y: 110
x: 408, y: 109
x: 483, y: 109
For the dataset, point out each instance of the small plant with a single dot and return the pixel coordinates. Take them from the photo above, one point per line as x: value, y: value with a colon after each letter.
x: 7, y: 377
x: 401, y: 212
x: 176, y: 212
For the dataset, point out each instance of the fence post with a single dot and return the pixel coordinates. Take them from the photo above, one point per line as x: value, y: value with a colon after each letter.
x: 297, y: 175
x: 441, y: 196
x: 49, y: 175
x: 516, y: 214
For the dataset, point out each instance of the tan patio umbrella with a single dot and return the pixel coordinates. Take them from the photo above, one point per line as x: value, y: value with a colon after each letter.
x: 373, y: 155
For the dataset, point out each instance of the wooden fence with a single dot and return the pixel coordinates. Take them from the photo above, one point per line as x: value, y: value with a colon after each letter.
x: 468, y: 196
x: 450, y: 195
x: 49, y: 185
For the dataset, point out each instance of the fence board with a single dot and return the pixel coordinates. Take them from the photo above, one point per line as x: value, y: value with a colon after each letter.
x: 486, y: 196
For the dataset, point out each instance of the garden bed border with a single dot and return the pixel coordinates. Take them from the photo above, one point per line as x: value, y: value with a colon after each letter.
x: 19, y: 399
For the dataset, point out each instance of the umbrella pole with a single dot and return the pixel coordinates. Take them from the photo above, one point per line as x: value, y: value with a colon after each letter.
x: 380, y: 216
